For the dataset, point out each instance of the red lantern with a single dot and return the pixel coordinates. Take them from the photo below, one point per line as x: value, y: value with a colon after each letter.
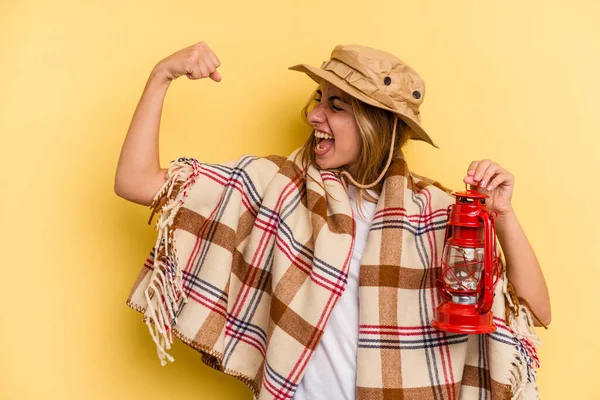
x: 470, y: 268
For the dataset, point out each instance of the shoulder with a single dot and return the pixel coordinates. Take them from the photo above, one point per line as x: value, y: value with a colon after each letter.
x: 257, y: 173
x: 421, y: 182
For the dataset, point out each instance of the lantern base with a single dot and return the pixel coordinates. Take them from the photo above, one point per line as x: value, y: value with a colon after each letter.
x: 462, y: 318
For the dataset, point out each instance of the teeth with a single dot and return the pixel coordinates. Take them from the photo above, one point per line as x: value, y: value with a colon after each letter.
x: 323, y: 135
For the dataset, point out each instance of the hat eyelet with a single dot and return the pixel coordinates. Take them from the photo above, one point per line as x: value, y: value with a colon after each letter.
x: 387, y: 80
x: 416, y: 94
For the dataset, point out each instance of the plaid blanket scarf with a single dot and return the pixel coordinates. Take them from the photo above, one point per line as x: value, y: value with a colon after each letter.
x: 251, y: 259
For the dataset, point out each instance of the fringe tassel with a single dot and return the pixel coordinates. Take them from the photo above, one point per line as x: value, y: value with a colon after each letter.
x: 164, y: 293
x: 527, y: 341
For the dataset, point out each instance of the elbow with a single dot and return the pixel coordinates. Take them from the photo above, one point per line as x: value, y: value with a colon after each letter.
x: 544, y: 321
x: 118, y: 188
x: 124, y: 190
x: 118, y: 185
x: 138, y: 190
x: 543, y: 318
x: 128, y: 192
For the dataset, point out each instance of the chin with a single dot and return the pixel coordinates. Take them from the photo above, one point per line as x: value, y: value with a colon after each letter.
x: 327, y: 164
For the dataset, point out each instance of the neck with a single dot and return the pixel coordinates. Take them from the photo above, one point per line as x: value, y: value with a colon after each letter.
x: 387, y: 165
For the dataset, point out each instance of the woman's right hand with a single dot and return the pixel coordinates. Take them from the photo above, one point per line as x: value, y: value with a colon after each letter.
x: 196, y: 62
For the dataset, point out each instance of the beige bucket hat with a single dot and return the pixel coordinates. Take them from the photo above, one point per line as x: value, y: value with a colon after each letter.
x: 376, y: 78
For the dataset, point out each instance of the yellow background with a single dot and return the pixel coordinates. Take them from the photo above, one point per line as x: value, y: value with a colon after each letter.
x: 513, y: 81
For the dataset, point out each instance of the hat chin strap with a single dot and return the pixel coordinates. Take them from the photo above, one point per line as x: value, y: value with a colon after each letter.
x: 387, y: 165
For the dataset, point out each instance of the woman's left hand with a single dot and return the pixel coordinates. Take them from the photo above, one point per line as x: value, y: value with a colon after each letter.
x: 489, y: 178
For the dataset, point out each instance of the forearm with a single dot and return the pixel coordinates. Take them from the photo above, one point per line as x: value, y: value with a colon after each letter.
x: 139, y: 162
x: 523, y: 268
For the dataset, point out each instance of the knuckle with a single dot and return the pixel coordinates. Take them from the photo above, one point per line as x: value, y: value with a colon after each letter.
x: 198, y: 49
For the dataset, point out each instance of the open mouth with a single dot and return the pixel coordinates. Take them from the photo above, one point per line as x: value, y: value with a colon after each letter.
x: 324, y: 142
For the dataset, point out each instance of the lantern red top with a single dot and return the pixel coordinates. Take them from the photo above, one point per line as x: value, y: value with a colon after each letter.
x: 466, y: 213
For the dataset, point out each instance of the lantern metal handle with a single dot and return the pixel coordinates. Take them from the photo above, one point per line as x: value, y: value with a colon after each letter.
x: 487, y: 298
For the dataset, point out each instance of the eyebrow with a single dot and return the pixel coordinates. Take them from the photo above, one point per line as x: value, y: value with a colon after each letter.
x: 331, y: 98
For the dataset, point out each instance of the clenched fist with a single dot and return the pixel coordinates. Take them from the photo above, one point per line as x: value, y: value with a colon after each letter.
x: 196, y: 62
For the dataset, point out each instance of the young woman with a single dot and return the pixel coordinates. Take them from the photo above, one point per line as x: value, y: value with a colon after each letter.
x: 313, y: 276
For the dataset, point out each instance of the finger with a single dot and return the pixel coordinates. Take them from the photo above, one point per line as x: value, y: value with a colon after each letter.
x: 207, y: 59
x: 214, y: 58
x: 489, y: 173
x: 194, y: 73
x: 469, y: 179
x: 503, y: 178
x: 496, y: 181
x: 471, y: 182
x: 212, y: 69
x: 203, y: 68
x: 472, y: 168
x: 480, y: 170
x: 213, y: 63
x: 211, y: 54
x: 215, y: 76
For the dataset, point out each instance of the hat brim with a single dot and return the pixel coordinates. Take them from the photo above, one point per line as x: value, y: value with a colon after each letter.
x: 317, y: 74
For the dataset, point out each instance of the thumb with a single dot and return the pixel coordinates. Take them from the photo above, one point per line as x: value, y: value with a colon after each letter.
x: 471, y: 182
x: 215, y: 76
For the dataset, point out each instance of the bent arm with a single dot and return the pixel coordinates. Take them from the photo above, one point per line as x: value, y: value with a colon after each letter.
x: 523, y: 268
x: 139, y: 176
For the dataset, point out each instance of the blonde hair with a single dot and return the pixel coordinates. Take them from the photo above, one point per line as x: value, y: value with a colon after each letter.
x: 375, y: 126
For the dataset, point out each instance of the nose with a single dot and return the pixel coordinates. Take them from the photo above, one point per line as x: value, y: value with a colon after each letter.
x: 316, y: 116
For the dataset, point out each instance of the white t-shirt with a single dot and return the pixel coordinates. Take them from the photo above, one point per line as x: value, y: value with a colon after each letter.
x: 331, y: 372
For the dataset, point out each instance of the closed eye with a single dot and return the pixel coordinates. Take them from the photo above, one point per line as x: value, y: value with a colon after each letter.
x: 333, y: 106
x: 331, y: 100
